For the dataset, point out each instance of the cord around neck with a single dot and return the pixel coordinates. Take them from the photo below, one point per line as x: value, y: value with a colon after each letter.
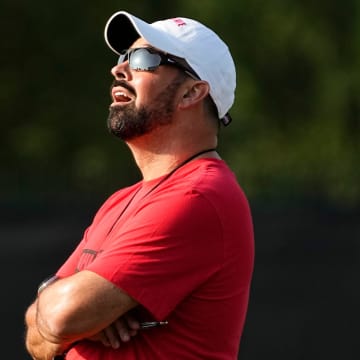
x: 161, y: 181
x: 192, y: 157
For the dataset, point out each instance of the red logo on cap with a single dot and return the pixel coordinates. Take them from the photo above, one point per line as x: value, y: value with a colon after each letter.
x: 179, y: 22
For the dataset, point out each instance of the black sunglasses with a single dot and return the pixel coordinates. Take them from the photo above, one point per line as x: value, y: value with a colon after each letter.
x: 148, y: 59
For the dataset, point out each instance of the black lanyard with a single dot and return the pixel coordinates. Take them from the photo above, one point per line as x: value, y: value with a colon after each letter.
x: 166, y: 177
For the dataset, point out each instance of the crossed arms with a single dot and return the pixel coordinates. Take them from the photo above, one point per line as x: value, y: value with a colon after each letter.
x: 82, y: 306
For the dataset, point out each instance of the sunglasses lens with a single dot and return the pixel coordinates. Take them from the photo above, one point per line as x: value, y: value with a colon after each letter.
x: 143, y: 59
x: 140, y: 59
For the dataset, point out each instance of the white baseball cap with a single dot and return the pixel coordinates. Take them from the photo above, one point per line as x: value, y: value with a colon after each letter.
x: 202, y: 49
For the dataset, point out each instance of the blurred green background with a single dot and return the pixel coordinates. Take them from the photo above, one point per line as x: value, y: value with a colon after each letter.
x: 296, y: 124
x: 294, y: 145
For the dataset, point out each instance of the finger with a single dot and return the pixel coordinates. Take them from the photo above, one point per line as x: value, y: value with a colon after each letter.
x: 122, y: 329
x: 132, y: 332
x: 112, y: 337
x: 103, y: 338
x: 132, y: 323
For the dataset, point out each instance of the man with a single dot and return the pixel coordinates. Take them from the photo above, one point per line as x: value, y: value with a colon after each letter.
x: 164, y: 270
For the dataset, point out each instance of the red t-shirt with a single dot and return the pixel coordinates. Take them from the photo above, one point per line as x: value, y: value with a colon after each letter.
x: 183, y: 248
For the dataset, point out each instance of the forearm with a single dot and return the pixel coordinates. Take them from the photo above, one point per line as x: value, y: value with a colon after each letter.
x: 68, y: 311
x: 38, y: 347
x: 41, y: 349
x: 79, y: 307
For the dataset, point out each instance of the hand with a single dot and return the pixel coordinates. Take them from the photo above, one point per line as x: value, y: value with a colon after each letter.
x: 38, y: 347
x: 119, y: 331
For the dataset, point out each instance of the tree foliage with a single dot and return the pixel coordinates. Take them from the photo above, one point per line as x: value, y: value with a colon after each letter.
x: 296, y: 127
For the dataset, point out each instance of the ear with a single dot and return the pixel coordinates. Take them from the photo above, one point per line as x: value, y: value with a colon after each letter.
x: 193, y: 94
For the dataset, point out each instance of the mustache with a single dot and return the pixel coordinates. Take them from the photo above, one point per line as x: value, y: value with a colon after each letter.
x: 123, y: 84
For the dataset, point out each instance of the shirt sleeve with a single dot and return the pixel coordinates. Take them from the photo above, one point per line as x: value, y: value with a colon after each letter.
x: 71, y: 264
x: 163, y: 252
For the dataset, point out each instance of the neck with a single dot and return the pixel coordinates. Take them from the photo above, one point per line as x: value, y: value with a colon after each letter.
x: 167, y: 147
x: 156, y: 163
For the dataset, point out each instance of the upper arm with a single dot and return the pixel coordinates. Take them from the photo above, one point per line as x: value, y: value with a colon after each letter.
x: 79, y: 306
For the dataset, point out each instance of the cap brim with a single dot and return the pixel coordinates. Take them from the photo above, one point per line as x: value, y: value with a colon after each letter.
x: 123, y: 29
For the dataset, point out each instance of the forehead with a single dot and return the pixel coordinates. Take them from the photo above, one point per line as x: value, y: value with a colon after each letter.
x: 140, y: 42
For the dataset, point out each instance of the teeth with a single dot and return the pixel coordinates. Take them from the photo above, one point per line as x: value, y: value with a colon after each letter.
x: 120, y: 96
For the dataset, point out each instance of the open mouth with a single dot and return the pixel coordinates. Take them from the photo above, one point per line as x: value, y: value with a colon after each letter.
x: 120, y: 96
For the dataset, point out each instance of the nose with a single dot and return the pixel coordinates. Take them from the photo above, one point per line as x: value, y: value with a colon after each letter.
x: 121, y: 71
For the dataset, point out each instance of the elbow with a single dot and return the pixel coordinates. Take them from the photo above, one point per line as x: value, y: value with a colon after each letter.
x: 53, y: 324
x: 55, y: 315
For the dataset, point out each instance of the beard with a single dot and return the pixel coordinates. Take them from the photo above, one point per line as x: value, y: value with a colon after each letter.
x: 128, y: 122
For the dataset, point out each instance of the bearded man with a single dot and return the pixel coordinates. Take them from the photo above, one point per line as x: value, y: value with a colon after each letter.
x: 164, y: 270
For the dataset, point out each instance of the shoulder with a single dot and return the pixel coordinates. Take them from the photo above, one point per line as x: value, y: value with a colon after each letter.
x: 210, y: 178
x: 206, y: 185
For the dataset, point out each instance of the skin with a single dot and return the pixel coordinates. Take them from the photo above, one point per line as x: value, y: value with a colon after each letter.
x: 68, y: 310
